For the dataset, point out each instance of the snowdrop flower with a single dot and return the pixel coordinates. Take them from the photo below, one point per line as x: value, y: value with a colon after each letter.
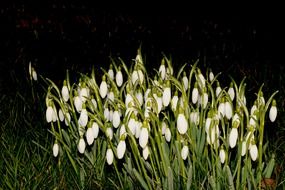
x: 228, y: 110
x: 218, y: 89
x: 139, y: 58
x: 167, y: 134
x: 116, y: 119
x: 109, y: 156
x: 174, y: 101
x: 34, y: 74
x: 135, y: 76
x: 194, y: 117
x: 60, y: 115
x: 132, y: 124
x: 195, y: 93
x: 55, y: 149
x: 166, y: 97
x: 129, y: 100
x: 89, y: 135
x: 145, y: 152
x: 139, y: 97
x: 143, y: 135
x: 121, y: 149
x: 67, y: 118
x: 182, y: 124
x: 65, y: 92
x: 273, y: 111
x: 94, y: 103
x: 83, y: 93
x: 184, y: 152
x: 146, y: 94
x: 81, y: 145
x: 83, y: 118
x: 162, y: 70
x: 141, y: 76
x: 122, y: 130
x: 77, y: 103
x: 163, y: 127
x: 107, y: 113
x: 261, y: 101
x: 109, y: 133
x: 103, y: 87
x: 243, y: 148
x: 233, y: 137
x: 138, y: 129
x: 30, y: 70
x: 119, y: 77
x: 201, y: 80
x: 222, y: 155
x: 211, y: 76
x: 49, y: 114
x: 221, y: 110
x: 54, y: 115
x: 185, y: 81
x: 253, y: 109
x: 231, y: 92
x: 204, y: 99
x: 95, y: 129
x: 111, y: 72
x: 111, y: 96
x: 253, y: 152
x: 158, y: 99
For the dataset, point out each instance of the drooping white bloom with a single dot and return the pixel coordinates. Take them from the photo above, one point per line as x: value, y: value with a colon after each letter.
x: 273, y: 111
x: 139, y: 97
x: 163, y: 127
x: 122, y: 130
x: 135, y: 76
x: 116, y: 119
x: 89, y: 136
x: 94, y: 103
x: 95, y: 129
x: 213, y: 135
x: 103, y: 88
x: 185, y: 82
x: 218, y: 91
x: 231, y: 92
x: 78, y: 104
x: 109, y: 133
x: 111, y: 73
x: 83, y: 94
x: 182, y: 124
x: 83, y: 118
x: 143, y: 137
x: 30, y: 69
x: 132, y: 126
x: 129, y: 100
x: 109, y: 156
x: 184, y: 152
x: 221, y: 110
x: 253, y: 152
x: 141, y: 76
x: 194, y: 117
x: 167, y: 134
x: 49, y: 114
x: 111, y: 112
x: 67, y: 118
x: 204, y: 99
x: 55, y: 149
x: 174, y: 102
x: 253, y: 109
x: 166, y: 97
x: 145, y: 152
x: 121, y: 149
x: 54, y: 115
x: 222, y: 155
x: 211, y: 76
x: 146, y: 94
x: 119, y: 78
x: 60, y: 115
x: 233, y: 137
x: 243, y: 148
x: 195, y: 95
x: 107, y: 114
x: 138, y: 129
x: 158, y: 100
x: 201, y: 80
x: 65, y: 93
x: 207, y: 124
x: 111, y: 96
x: 81, y: 146
x: 228, y: 110
x: 162, y: 71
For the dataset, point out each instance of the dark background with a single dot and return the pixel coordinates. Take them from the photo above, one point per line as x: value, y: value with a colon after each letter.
x: 56, y: 36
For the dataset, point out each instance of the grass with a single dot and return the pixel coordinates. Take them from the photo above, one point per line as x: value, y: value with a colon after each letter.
x: 26, y: 161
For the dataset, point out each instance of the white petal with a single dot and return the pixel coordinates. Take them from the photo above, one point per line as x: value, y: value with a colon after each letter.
x: 228, y: 110
x: 116, y: 119
x: 145, y: 152
x: 273, y: 113
x: 174, y: 103
x: 139, y: 97
x: 35, y: 76
x: 231, y: 92
x: 83, y: 94
x: 109, y: 133
x: 54, y: 115
x: 121, y: 149
x: 184, y: 152
x: 195, y: 95
x: 81, y: 146
x: 202, y: 81
x: 135, y: 77
x: 55, y: 150
x: 207, y: 125
x: 119, y: 78
x: 233, y: 137
x: 83, y: 118
x: 109, y: 156
x: 132, y: 126
x: 67, y: 118
x: 89, y: 136
x: 167, y: 134
x: 162, y: 71
x: 253, y: 152
x: 221, y: 110
x: 103, y: 89
x: 166, y: 97
x: 143, y: 137
x: 78, y: 104
x: 222, y: 156
x: 95, y: 129
x: 107, y: 114
x: 182, y: 124
x: 49, y: 113
x: 65, y: 93
x: 205, y: 100
x: 122, y: 130
x: 60, y: 114
x: 185, y: 82
x: 211, y: 76
x: 163, y: 127
x: 111, y: 74
x: 218, y: 91
x: 141, y: 76
x: 243, y: 148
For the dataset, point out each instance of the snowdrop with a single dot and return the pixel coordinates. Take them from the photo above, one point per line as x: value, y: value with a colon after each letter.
x: 273, y: 111
x: 195, y: 93
x: 109, y: 156
x: 116, y: 119
x: 174, y: 101
x: 103, y: 87
x: 55, y: 149
x: 211, y: 76
x: 182, y: 124
x: 65, y: 91
x: 95, y: 129
x: 185, y: 81
x: 166, y: 97
x: 90, y: 136
x: 162, y: 69
x: 143, y: 135
x: 184, y: 152
x: 119, y: 77
x: 218, y: 89
x: 81, y: 146
x: 77, y: 102
x: 83, y: 118
x: 222, y: 155
x: 111, y: 72
x: 253, y: 152
x: 49, y: 114
x: 145, y: 152
x: 231, y: 92
x: 121, y: 149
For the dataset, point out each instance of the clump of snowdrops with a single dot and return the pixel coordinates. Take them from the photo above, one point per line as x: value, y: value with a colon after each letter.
x: 167, y: 131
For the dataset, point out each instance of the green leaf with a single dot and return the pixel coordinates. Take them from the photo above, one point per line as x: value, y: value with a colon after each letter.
x: 140, y: 179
